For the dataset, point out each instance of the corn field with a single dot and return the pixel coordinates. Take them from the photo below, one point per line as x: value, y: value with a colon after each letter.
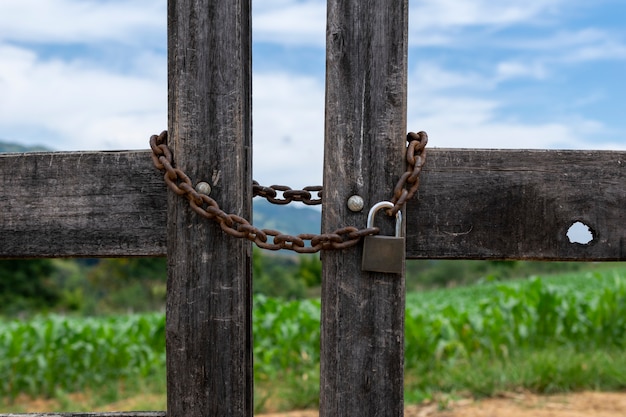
x: 587, y: 311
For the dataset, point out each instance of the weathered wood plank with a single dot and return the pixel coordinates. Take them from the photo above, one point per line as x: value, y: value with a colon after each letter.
x: 209, y: 302
x: 114, y: 204
x: 86, y: 204
x: 362, y: 339
x: 519, y: 204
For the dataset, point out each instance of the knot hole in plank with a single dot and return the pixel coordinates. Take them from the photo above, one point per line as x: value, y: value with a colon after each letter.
x: 580, y: 233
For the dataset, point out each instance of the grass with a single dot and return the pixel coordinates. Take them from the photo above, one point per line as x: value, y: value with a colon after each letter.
x: 48, y: 355
x: 555, y: 334
x: 550, y: 370
x: 558, y: 334
x: 142, y: 395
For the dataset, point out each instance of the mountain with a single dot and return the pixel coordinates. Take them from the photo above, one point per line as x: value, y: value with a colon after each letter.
x: 292, y: 219
x: 7, y: 147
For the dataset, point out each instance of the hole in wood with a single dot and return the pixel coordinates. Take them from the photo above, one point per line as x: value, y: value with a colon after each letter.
x: 580, y: 233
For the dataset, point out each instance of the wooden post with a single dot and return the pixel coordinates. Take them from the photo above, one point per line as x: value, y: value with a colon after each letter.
x: 209, y: 342
x: 362, y: 342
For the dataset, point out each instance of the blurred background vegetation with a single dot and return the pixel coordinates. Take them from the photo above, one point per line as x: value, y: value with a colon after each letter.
x: 127, y: 285
x: 85, y: 333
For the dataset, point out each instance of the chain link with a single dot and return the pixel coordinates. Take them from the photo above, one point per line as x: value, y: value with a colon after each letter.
x: 288, y: 195
x: 415, y: 158
x: 234, y: 225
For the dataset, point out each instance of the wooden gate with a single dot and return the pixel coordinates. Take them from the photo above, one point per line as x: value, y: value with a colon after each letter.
x: 472, y: 204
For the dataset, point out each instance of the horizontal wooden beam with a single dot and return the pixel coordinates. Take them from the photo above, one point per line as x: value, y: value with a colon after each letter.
x: 519, y: 204
x: 472, y: 204
x: 81, y: 204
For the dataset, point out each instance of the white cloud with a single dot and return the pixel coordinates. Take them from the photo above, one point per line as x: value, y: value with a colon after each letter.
x: 433, y: 78
x: 507, y: 70
x: 562, y: 39
x: 439, y: 22
x: 452, y: 106
x: 95, y: 105
x: 288, y: 127
x: 460, y: 121
x: 570, y: 46
x: 451, y: 13
x: 464, y: 122
x: 91, y: 108
x: 88, y: 107
x: 610, y: 50
x: 431, y: 22
x: 430, y: 76
x: 80, y: 22
x: 290, y: 22
x: 106, y: 89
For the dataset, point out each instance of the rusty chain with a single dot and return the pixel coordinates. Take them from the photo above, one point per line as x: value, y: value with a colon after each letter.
x: 288, y: 195
x: 239, y: 227
x: 415, y: 159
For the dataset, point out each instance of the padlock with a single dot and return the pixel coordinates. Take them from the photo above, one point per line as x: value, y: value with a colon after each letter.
x: 383, y: 253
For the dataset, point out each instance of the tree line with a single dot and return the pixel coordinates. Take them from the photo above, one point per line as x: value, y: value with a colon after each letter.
x: 105, y: 286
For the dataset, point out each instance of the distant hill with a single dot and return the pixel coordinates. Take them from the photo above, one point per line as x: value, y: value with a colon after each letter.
x: 7, y: 147
x: 291, y: 219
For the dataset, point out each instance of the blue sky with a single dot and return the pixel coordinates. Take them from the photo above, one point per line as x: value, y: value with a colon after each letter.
x: 92, y: 75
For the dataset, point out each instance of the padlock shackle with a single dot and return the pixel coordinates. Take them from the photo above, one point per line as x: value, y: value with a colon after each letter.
x: 385, y: 204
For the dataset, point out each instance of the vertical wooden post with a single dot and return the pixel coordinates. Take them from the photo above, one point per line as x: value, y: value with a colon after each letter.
x: 209, y: 346
x: 363, y: 313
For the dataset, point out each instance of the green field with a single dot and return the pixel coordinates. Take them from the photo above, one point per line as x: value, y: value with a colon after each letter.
x: 550, y: 334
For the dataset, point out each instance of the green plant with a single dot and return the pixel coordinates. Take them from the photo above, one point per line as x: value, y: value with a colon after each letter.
x: 41, y: 356
x: 555, y: 334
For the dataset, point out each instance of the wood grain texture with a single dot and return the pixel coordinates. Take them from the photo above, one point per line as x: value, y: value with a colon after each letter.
x: 472, y: 204
x: 362, y: 340
x: 208, y: 326
x: 519, y: 204
x: 81, y: 204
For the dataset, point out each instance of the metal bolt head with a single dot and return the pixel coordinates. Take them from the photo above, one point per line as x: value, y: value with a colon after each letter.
x: 203, y: 188
x: 356, y: 203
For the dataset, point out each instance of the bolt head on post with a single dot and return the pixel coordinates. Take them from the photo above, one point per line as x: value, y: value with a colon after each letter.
x: 203, y: 188
x: 356, y: 203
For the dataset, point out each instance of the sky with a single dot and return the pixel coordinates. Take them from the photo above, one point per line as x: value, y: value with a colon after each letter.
x: 542, y: 74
